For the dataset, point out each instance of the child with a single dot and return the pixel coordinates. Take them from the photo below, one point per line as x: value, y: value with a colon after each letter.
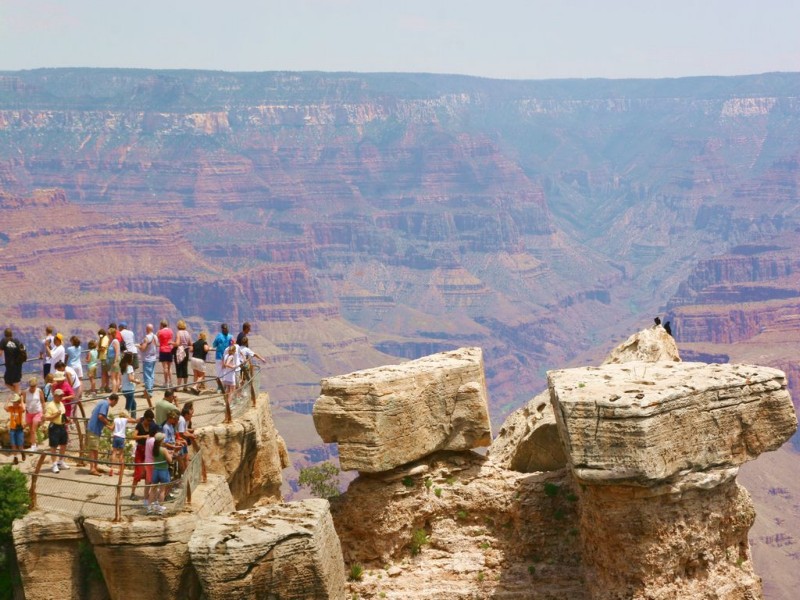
x: 48, y: 387
x: 118, y: 438
x: 91, y: 366
x: 129, y: 382
x: 16, y: 429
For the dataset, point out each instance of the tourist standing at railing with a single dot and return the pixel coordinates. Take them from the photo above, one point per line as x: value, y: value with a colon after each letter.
x: 128, y: 344
x: 165, y: 348
x: 74, y: 382
x: 34, y: 409
x: 149, y: 350
x: 113, y: 357
x: 48, y: 387
x: 221, y: 344
x: 145, y: 428
x: 148, y: 468
x: 103, y: 342
x: 73, y: 355
x: 57, y: 352
x: 129, y: 382
x: 229, y: 365
x: 94, y: 429
x: 199, y: 351
x: 171, y: 441
x: 120, y: 433
x: 243, y: 333
x: 55, y: 413
x: 92, y: 359
x: 16, y: 430
x: 47, y: 343
x: 11, y: 349
x: 183, y: 346
x: 185, y: 433
x: 67, y: 394
x: 165, y: 405
x: 162, y: 458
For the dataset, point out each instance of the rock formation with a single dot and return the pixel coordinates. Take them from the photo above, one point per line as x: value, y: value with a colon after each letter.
x: 655, y: 448
x: 388, y: 416
x: 281, y: 551
x: 650, y: 345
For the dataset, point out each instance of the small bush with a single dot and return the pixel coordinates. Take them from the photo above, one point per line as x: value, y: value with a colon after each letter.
x: 14, y: 500
x: 462, y: 515
x: 531, y: 570
x: 408, y: 481
x: 551, y: 489
x: 428, y: 482
x: 356, y: 572
x: 559, y: 514
x: 481, y: 576
x: 438, y: 492
x: 451, y: 480
x: 572, y: 497
x: 484, y: 545
x: 419, y: 539
x: 321, y: 479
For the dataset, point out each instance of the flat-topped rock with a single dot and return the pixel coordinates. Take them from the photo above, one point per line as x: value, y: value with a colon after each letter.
x: 279, y: 551
x: 643, y: 423
x: 387, y: 416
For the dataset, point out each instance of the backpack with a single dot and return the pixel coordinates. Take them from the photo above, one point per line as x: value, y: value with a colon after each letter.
x: 22, y: 353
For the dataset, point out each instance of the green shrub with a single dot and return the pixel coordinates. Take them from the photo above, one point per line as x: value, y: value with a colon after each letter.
x: 531, y: 570
x: 419, y: 539
x: 551, y: 489
x: 462, y: 515
x: 321, y: 479
x: 14, y: 500
x: 408, y: 481
x: 428, y: 482
x: 438, y: 492
x: 356, y: 572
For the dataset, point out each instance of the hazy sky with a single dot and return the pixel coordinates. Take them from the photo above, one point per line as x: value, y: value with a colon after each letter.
x: 494, y: 38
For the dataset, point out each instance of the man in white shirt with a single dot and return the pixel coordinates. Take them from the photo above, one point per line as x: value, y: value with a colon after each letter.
x: 130, y: 343
x: 47, y: 342
x: 149, y: 348
x: 56, y: 353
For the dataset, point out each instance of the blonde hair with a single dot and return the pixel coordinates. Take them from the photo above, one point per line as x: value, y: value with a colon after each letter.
x: 203, y: 335
x: 181, y: 324
x: 33, y: 381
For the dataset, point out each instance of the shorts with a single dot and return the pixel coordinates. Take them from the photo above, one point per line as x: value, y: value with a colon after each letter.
x: 164, y: 356
x: 92, y: 442
x: 135, y: 362
x: 198, y: 364
x: 33, y: 419
x: 13, y: 374
x: 57, y: 435
x: 138, y: 470
x: 117, y: 443
x: 182, y: 369
x: 148, y: 474
x: 17, y: 437
x: 160, y: 476
x: 92, y: 371
x: 104, y: 367
x: 114, y: 368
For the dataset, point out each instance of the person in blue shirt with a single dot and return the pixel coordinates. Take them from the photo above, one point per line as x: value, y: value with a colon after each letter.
x: 97, y: 422
x: 220, y: 345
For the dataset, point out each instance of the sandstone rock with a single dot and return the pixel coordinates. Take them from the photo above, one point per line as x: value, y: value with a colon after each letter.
x: 388, y: 416
x: 280, y: 551
x: 249, y: 452
x: 644, y: 423
x: 48, y: 548
x: 150, y: 553
x: 528, y: 441
x: 648, y: 345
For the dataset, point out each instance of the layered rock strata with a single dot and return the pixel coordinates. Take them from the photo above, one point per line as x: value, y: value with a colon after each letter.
x: 282, y: 551
x: 388, y: 416
x: 656, y: 448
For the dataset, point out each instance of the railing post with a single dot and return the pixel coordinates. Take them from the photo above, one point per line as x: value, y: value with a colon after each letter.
x: 252, y: 371
x: 81, y: 441
x: 118, y: 500
x: 34, y: 478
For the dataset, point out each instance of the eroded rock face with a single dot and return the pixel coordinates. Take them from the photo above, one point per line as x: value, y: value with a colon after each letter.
x: 528, y: 440
x: 281, y: 551
x: 388, y: 416
x: 656, y: 447
x: 644, y: 423
x: 650, y: 345
x: 249, y: 453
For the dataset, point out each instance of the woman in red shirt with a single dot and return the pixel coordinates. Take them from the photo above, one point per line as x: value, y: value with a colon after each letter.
x: 165, y: 346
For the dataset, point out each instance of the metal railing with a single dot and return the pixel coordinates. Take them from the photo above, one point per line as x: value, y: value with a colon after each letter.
x: 76, y: 494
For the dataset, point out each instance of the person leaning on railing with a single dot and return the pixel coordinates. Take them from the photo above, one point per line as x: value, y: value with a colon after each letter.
x: 145, y: 428
x: 94, y: 429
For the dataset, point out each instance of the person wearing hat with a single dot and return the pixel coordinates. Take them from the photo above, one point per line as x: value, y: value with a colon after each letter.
x: 55, y: 414
x: 16, y: 430
x: 68, y: 394
x: 57, y: 353
x: 162, y: 458
x: 34, y: 408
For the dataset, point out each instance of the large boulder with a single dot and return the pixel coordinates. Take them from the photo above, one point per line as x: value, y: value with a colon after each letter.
x: 388, y: 416
x: 528, y: 441
x: 649, y: 345
x: 644, y: 423
x: 278, y: 551
x: 656, y: 448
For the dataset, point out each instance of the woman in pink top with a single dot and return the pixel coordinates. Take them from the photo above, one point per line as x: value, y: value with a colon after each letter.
x: 165, y: 346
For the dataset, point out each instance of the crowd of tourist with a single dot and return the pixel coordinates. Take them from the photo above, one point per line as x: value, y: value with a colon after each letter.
x: 162, y: 435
